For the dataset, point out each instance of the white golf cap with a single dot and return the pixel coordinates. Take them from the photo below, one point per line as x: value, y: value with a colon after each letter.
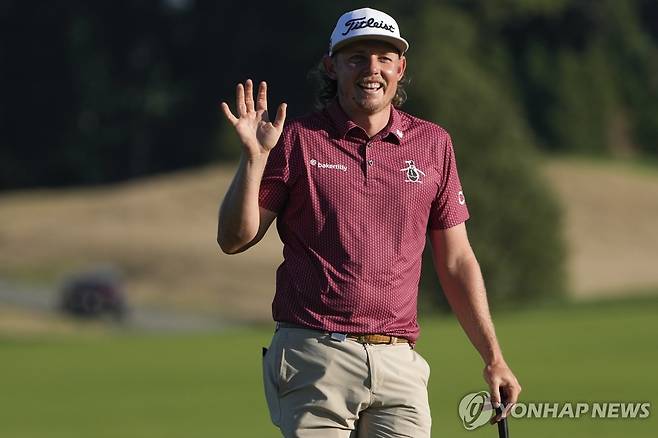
x: 366, y: 24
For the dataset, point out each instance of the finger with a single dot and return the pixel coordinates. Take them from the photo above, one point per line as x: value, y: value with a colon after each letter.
x: 513, y: 392
x: 249, y: 95
x: 495, y: 401
x: 229, y: 115
x: 280, y: 115
x: 239, y: 100
x: 261, y: 100
x: 495, y: 394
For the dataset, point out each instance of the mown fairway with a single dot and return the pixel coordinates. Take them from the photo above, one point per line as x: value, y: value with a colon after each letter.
x: 133, y: 385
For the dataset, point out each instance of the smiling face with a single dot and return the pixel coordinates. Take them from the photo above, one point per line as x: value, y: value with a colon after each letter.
x: 367, y: 73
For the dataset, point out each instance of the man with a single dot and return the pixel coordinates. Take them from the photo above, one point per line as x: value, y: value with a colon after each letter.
x: 355, y: 189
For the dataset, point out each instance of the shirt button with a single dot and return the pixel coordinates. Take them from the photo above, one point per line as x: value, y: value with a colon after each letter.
x: 368, y: 145
x: 370, y: 162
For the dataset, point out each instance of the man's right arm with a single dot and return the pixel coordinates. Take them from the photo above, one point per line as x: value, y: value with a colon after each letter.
x: 242, y: 223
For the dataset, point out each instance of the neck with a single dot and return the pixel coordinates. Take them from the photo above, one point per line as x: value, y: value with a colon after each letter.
x: 371, y: 123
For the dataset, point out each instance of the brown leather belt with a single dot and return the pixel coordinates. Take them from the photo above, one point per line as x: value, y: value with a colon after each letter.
x: 361, y: 338
x: 378, y: 339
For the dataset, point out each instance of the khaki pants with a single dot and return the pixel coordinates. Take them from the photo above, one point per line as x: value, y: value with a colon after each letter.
x: 317, y: 386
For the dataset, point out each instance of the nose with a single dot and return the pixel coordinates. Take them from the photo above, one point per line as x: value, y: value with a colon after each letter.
x: 373, y: 66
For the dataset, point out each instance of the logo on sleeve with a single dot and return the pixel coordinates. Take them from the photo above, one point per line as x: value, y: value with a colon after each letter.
x: 413, y: 173
x: 461, y: 198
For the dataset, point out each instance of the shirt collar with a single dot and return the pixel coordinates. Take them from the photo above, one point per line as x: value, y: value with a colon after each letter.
x: 392, y: 131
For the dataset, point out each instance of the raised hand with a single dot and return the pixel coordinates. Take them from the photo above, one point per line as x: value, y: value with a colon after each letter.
x: 253, y: 126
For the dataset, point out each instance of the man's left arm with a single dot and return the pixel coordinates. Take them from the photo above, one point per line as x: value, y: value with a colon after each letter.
x: 463, y: 285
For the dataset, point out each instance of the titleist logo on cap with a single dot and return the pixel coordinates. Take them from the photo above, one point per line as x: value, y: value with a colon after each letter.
x: 366, y: 24
x: 361, y: 22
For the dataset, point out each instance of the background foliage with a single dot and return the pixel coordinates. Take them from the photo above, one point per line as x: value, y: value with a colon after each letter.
x: 103, y: 91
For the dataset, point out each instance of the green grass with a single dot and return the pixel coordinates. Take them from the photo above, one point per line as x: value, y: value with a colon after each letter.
x: 134, y: 385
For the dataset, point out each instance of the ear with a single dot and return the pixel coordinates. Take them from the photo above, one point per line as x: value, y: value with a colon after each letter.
x: 329, y: 66
x: 402, y: 67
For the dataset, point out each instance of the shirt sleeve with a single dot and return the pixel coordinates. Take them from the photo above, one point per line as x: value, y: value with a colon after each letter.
x: 274, y: 186
x: 449, y: 207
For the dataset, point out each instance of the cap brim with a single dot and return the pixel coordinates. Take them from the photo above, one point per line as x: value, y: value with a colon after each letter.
x: 399, y: 43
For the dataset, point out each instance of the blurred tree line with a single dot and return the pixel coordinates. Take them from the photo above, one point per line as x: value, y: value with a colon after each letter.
x: 96, y: 92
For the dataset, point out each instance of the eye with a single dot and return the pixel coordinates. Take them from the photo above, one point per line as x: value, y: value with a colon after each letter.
x: 355, y: 59
x: 385, y: 59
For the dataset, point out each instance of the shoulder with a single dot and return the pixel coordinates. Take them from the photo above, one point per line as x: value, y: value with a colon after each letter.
x: 315, y: 121
x: 425, y: 132
x: 299, y: 132
x: 422, y: 126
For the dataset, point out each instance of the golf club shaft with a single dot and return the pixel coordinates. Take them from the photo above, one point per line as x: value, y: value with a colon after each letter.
x: 502, y: 428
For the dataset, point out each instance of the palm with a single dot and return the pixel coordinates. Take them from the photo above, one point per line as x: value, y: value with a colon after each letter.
x: 256, y: 128
x: 253, y: 126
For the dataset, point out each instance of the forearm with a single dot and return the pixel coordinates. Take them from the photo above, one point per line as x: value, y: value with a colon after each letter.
x: 239, y: 217
x: 464, y: 288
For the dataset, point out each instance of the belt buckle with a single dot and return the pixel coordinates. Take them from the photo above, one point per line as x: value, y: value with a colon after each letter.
x: 340, y: 337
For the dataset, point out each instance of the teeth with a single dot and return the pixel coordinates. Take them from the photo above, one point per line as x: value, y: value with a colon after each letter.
x: 371, y: 85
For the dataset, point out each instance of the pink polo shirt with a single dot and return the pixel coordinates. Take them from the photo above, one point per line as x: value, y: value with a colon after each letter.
x: 353, y: 213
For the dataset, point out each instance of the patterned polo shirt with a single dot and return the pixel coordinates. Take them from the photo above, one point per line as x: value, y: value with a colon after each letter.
x: 353, y: 213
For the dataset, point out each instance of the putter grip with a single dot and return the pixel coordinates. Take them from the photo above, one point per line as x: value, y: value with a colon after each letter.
x: 502, y: 423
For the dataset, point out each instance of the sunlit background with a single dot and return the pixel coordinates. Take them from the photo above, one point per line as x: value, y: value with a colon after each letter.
x: 120, y: 316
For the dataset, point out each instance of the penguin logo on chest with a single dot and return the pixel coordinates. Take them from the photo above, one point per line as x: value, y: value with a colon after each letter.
x: 413, y: 174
